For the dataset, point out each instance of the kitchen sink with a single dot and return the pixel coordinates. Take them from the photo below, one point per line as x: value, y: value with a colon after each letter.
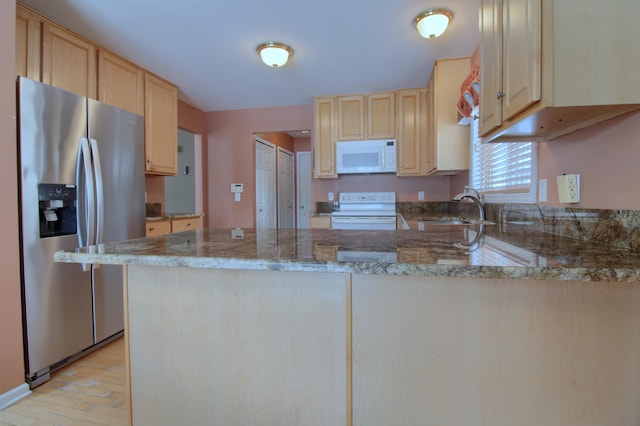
x: 453, y: 221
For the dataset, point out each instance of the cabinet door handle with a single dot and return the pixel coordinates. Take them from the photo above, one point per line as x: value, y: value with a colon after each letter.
x: 152, y: 229
x: 500, y: 94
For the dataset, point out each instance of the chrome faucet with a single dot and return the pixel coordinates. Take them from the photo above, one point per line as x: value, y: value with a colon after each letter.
x: 476, y: 197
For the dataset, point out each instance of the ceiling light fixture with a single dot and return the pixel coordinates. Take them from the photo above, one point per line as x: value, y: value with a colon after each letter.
x: 274, y: 54
x: 433, y: 22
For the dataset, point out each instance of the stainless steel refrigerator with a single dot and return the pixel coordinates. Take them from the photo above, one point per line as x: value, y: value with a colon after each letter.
x: 81, y: 165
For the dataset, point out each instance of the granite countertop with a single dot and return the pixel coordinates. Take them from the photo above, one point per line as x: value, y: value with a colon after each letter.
x: 509, y: 251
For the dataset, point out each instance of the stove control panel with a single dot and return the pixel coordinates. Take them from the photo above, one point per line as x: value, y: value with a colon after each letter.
x: 367, y: 197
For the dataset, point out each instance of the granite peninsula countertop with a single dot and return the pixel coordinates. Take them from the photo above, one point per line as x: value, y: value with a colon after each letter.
x: 507, y: 252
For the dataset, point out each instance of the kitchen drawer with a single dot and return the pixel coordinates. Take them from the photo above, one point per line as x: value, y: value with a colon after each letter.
x: 158, y: 227
x: 179, y: 225
x: 320, y: 222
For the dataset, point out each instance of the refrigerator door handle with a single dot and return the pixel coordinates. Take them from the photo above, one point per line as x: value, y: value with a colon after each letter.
x: 85, y: 236
x: 97, y: 167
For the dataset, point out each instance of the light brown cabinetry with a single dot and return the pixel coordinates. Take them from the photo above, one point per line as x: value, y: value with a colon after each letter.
x: 186, y: 224
x: 434, y: 348
x: 324, y: 137
x: 351, y: 117
x: 161, y: 126
x: 381, y: 115
x: 158, y: 227
x: 68, y: 61
x: 162, y: 227
x: 120, y: 82
x: 447, y: 143
x: 279, y: 340
x: 544, y: 72
x: 28, y: 43
x: 410, y: 146
x: 49, y: 53
x: 320, y: 222
x: 370, y: 116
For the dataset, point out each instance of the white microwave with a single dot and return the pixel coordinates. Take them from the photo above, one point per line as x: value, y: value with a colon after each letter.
x: 370, y: 156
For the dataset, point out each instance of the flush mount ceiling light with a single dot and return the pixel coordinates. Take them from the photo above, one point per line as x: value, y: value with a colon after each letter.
x: 274, y: 54
x: 433, y: 22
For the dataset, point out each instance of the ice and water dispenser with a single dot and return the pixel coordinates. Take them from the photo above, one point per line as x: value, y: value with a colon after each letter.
x: 57, y: 205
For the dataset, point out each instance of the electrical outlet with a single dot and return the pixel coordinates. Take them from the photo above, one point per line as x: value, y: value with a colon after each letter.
x: 330, y: 196
x: 542, y: 190
x: 569, y: 188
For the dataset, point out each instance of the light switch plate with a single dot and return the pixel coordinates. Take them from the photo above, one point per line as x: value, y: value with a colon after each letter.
x: 542, y: 190
x: 420, y: 195
x: 569, y: 188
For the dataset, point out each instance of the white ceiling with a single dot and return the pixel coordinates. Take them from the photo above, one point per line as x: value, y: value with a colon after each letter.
x: 207, y: 47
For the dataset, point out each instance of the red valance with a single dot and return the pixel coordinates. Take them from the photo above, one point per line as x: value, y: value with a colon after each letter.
x: 469, y: 92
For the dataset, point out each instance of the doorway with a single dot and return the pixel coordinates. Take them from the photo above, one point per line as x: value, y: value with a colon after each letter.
x: 303, y: 189
x: 180, y: 190
x: 286, y: 215
x: 265, y: 184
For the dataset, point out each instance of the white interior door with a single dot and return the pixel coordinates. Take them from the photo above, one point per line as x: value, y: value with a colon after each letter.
x: 286, y: 216
x: 303, y: 188
x: 265, y: 184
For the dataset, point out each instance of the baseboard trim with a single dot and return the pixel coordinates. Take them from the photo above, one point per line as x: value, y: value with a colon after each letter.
x: 14, y: 395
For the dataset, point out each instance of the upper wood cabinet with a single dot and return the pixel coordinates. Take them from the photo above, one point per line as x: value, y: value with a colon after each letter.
x: 68, y: 61
x: 370, y: 116
x: 447, y: 143
x: 410, y: 147
x: 28, y: 43
x: 161, y: 126
x: 544, y: 71
x: 381, y: 115
x: 324, y: 137
x: 120, y: 82
x: 351, y: 117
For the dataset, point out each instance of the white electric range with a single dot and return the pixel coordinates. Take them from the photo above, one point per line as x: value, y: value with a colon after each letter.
x: 365, y: 211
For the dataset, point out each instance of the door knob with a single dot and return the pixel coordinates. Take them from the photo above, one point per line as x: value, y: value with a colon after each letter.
x: 500, y: 94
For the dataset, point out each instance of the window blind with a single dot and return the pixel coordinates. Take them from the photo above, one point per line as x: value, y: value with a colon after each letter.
x: 506, y: 170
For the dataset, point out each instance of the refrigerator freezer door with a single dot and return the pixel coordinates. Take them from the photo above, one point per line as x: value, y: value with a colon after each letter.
x: 119, y: 136
x: 57, y: 296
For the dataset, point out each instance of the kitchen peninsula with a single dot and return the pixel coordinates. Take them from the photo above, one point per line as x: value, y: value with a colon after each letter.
x: 460, y: 325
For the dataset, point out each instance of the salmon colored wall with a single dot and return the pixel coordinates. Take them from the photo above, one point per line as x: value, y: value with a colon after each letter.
x: 154, y: 187
x: 11, y: 355
x: 191, y: 118
x: 301, y: 144
x: 282, y: 140
x: 231, y: 158
x: 406, y: 188
x: 607, y: 157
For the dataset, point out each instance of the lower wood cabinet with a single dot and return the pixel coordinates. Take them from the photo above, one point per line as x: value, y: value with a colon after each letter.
x: 237, y: 347
x: 470, y: 351
x: 269, y: 348
x: 320, y: 222
x: 179, y: 225
x: 162, y: 227
x: 158, y: 227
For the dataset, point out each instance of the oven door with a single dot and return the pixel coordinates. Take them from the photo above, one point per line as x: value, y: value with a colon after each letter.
x: 363, y: 222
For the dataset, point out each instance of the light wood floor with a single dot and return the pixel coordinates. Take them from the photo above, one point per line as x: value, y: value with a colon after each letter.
x: 91, y: 391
